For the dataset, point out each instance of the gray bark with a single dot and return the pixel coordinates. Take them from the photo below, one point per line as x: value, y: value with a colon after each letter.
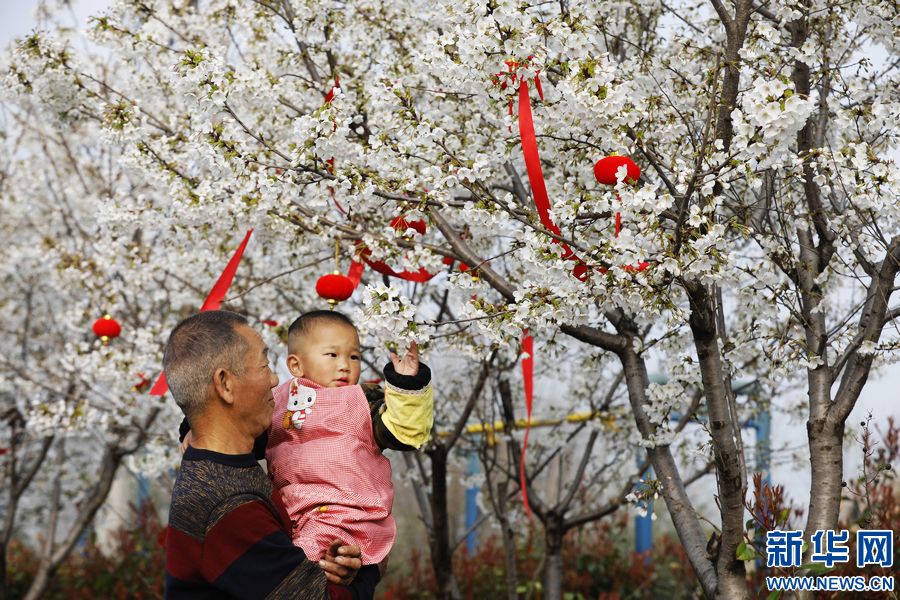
x: 684, y: 517
x: 553, y: 567
x: 732, y: 486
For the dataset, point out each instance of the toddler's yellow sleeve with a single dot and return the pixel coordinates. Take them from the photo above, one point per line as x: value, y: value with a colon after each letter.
x: 409, y: 415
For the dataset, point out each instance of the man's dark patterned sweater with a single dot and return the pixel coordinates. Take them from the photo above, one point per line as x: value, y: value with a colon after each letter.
x: 228, y: 538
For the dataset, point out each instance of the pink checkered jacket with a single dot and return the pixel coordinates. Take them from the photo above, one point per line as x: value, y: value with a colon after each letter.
x: 334, y: 480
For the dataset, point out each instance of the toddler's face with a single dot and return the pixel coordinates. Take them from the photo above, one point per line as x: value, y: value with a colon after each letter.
x: 328, y: 355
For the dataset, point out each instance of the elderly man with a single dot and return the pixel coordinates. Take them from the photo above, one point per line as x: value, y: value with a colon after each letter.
x: 227, y: 535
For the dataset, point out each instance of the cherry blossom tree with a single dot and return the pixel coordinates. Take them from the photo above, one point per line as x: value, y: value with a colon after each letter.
x: 767, y: 210
x: 70, y: 413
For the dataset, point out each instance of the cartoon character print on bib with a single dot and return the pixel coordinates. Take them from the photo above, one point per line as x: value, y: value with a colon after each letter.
x: 299, y: 405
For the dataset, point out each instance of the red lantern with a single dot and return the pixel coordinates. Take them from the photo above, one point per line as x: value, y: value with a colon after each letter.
x: 401, y: 225
x: 107, y: 328
x: 334, y: 287
x: 605, y: 169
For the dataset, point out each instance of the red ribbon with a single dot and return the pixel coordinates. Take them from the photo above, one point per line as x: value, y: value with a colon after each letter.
x: 536, y: 174
x: 628, y: 268
x: 356, y: 268
x: 420, y: 276
x: 355, y: 272
x: 528, y: 379
x: 213, y: 302
x: 337, y: 85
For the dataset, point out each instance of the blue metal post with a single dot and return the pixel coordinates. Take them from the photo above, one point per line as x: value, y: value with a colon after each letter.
x: 762, y: 424
x: 143, y: 491
x: 764, y: 444
x: 643, y: 525
x: 471, y: 506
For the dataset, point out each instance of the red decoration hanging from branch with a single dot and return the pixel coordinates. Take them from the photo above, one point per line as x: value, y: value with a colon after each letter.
x: 213, y: 302
x: 142, y: 383
x: 106, y: 328
x: 528, y: 382
x: 334, y: 287
x: 605, y: 171
x: 420, y: 276
x: 401, y: 224
x: 533, y: 163
x: 354, y: 273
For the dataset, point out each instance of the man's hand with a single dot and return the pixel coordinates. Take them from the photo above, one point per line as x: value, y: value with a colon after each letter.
x: 409, y: 364
x: 186, y: 441
x: 341, y: 563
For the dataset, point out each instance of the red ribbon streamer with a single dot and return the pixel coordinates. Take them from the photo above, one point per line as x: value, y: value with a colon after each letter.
x: 420, y: 276
x: 213, y: 302
x: 536, y: 175
x: 355, y: 272
x: 628, y: 268
x: 528, y: 379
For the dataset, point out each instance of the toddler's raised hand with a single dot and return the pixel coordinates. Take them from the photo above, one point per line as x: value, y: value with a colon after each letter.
x: 409, y: 364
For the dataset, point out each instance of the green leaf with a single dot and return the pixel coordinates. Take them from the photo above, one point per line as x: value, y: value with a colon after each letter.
x: 775, y: 595
x: 746, y: 552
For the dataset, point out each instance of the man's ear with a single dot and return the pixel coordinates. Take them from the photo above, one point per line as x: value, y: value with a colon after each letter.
x: 223, y: 382
x: 295, y: 365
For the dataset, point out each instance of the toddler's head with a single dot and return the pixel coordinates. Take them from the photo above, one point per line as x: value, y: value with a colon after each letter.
x: 323, y: 347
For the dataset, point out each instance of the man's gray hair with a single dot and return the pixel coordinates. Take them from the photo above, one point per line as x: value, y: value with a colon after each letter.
x: 197, y: 347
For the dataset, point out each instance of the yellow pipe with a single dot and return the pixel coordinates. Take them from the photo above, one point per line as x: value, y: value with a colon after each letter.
x: 490, y: 428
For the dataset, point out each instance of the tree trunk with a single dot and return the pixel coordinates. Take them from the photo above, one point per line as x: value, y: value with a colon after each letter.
x: 3, y: 578
x: 684, y: 517
x: 724, y: 428
x: 17, y: 481
x: 47, y: 567
x: 441, y: 555
x: 508, y: 535
x: 826, y: 445
x: 553, y: 568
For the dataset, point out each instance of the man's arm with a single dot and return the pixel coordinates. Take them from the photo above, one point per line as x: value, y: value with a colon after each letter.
x: 247, y: 554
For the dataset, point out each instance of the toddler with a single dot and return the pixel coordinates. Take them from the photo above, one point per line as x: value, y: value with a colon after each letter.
x: 325, y: 443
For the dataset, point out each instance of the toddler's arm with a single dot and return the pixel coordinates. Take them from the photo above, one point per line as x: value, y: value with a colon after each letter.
x: 404, y: 418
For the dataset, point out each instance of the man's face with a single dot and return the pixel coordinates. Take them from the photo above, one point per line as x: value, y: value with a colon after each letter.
x: 253, y: 389
x: 328, y: 355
